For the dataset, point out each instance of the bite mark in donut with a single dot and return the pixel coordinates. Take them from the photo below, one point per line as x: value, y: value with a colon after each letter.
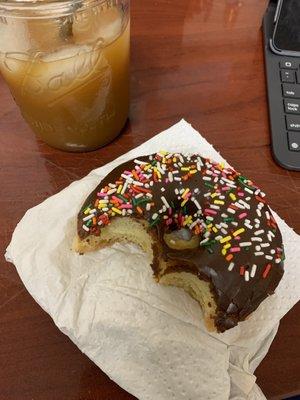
x: 206, y: 228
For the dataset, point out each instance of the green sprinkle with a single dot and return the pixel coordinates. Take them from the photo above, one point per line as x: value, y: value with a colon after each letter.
x: 142, y: 201
x: 228, y: 219
x: 156, y: 221
x: 209, y: 185
x: 209, y: 243
x: 209, y: 249
x: 122, y: 197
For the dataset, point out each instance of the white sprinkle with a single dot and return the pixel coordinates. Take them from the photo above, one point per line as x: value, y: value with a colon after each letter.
x: 198, y: 166
x: 207, y: 194
x: 277, y: 261
x: 224, y: 231
x: 93, y: 210
x: 219, y: 237
x: 169, y: 155
x: 176, y: 178
x: 267, y: 214
x: 258, y: 212
x: 162, y: 189
x: 170, y: 176
x: 140, y: 162
x: 123, y: 212
x: 224, y: 215
x: 230, y: 267
x: 271, y: 233
x: 127, y: 177
x: 213, y: 206
x: 197, y: 204
x: 124, y: 187
x: 209, y: 218
x: 193, y: 224
x: 216, y: 179
x: 234, y: 223
x: 258, y: 253
x: 209, y: 172
x: 272, y: 251
x: 175, y: 171
x: 159, y: 168
x: 256, y: 226
x: 224, y: 225
x: 88, y: 217
x: 245, y: 244
x: 163, y: 199
x: 239, y: 205
x: 246, y: 205
x: 260, y: 205
x: 129, y: 211
x: 105, y: 209
x: 231, y: 210
x: 100, y: 223
x: 257, y: 248
x: 204, y: 241
x: 176, y: 192
x: 137, y: 183
x: 207, y: 234
x: 262, y: 194
x: 112, y: 185
x: 253, y: 270
x: 248, y: 226
x: 147, y: 185
x: 246, y: 276
x: 86, y: 228
x: 248, y: 190
x: 139, y: 195
x: 150, y: 195
x: 154, y: 216
x: 256, y: 233
x: 248, y: 198
x: 196, y: 191
x: 265, y: 245
x: 256, y: 192
x: 221, y: 197
x: 269, y: 257
x: 206, y: 178
x: 256, y: 239
x: 181, y: 191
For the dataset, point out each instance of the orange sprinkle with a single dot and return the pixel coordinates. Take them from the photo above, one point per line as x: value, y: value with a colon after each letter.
x: 94, y: 221
x: 135, y: 175
x: 258, y: 198
x: 96, y: 203
x: 140, y: 211
x: 229, y: 257
x: 242, y: 270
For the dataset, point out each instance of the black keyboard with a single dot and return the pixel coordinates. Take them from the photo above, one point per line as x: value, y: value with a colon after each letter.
x: 283, y: 82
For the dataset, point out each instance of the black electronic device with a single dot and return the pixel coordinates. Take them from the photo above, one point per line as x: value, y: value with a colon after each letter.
x: 282, y: 61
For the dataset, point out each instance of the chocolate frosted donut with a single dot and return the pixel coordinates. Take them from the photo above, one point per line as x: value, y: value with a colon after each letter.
x: 206, y: 227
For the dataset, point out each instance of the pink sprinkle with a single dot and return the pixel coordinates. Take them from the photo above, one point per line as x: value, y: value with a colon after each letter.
x: 241, y: 194
x: 237, y: 238
x: 170, y: 210
x: 235, y: 249
x: 127, y: 172
x: 214, y: 174
x: 166, y: 180
x: 209, y: 211
x: 243, y: 215
x: 116, y: 199
x: 101, y: 194
x: 126, y: 205
x: 225, y: 188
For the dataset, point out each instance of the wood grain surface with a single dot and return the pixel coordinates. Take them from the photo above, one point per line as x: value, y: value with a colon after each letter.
x: 197, y: 59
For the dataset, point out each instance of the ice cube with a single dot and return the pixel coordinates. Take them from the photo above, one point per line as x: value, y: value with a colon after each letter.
x: 89, y: 27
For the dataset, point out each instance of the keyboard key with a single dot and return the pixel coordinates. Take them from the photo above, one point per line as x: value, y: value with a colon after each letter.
x: 294, y: 141
x: 288, y: 64
x: 287, y: 76
x: 293, y: 122
x: 292, y: 91
x: 292, y: 106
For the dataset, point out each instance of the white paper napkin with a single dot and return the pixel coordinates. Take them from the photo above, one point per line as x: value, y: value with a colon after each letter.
x: 148, y: 338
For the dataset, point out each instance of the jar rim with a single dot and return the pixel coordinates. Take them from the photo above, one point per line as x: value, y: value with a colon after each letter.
x: 46, y: 9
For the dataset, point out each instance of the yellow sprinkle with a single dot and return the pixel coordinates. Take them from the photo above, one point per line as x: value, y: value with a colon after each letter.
x: 213, y: 195
x: 224, y: 252
x: 208, y: 226
x: 174, y: 159
x: 163, y: 152
x: 222, y: 165
x: 225, y: 239
x: 120, y: 187
x: 185, y: 193
x: 219, y: 202
x: 236, y: 233
x: 193, y: 171
x: 215, y: 229
x: 147, y: 167
x: 185, y: 168
x: 113, y: 214
x: 116, y: 210
x: 227, y: 246
x: 184, y: 202
x: 164, y: 160
x: 232, y: 196
x: 158, y: 173
x: 87, y: 211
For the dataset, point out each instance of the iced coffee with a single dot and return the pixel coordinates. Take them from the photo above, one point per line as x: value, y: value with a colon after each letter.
x: 69, y: 73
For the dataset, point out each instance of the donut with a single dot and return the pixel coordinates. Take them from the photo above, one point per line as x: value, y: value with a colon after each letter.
x: 206, y: 228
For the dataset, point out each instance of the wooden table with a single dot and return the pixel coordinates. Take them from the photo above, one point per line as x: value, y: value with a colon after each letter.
x: 197, y: 59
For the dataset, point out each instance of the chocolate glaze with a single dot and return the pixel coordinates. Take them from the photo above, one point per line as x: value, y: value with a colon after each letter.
x: 236, y: 293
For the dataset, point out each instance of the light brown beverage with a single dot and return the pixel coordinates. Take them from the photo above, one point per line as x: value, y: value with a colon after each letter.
x: 72, y: 85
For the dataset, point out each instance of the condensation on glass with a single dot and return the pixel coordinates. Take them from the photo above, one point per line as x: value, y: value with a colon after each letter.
x: 67, y: 66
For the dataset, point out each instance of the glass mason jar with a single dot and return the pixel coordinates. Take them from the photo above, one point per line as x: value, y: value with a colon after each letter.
x: 67, y: 66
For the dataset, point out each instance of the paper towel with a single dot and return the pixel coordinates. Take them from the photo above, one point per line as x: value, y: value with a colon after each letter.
x: 148, y: 338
